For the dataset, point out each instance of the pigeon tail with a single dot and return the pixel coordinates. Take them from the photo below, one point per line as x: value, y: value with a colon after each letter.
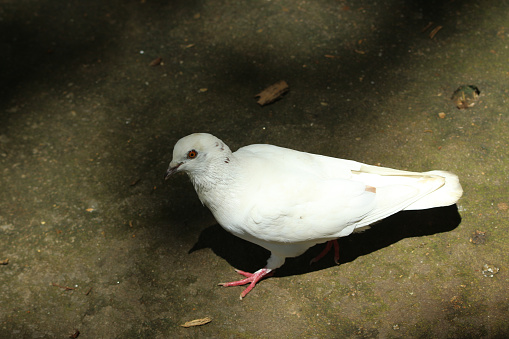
x: 447, y: 195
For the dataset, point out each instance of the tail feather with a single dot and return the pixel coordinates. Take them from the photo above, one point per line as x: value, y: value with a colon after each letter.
x: 433, y: 188
x: 446, y: 195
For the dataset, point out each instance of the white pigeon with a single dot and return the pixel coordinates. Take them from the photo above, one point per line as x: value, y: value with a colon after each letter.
x: 287, y: 201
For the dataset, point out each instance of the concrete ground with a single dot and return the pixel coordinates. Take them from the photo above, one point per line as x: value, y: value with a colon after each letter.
x: 96, y: 241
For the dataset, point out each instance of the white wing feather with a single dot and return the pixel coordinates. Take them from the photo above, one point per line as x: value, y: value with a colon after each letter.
x: 326, y: 198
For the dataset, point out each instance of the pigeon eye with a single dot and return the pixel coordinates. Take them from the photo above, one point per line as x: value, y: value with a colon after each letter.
x: 192, y: 154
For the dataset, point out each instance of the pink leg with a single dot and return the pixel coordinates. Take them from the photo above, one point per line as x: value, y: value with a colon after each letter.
x: 336, y: 251
x: 251, y: 278
x: 323, y: 253
x: 326, y: 250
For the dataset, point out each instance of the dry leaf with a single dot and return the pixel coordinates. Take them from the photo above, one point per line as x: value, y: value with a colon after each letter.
x: 156, y: 62
x: 197, y: 322
x: 4, y: 262
x: 272, y: 93
x: 466, y: 96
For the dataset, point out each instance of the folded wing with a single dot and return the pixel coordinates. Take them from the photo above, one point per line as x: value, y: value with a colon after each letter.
x: 327, y: 198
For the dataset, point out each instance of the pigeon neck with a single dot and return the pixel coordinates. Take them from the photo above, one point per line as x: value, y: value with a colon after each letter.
x: 214, y: 183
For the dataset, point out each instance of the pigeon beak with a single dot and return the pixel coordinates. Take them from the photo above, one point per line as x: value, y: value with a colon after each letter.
x: 172, y: 170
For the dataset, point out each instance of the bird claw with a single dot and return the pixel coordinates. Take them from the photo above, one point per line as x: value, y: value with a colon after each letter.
x: 251, y: 279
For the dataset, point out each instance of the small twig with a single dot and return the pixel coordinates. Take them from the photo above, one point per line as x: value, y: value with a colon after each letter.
x: 425, y: 28
x: 272, y: 93
x: 64, y: 287
x: 89, y: 290
x: 75, y: 335
x: 435, y: 31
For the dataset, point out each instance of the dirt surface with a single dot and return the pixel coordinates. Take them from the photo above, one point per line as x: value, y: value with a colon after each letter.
x: 97, y: 241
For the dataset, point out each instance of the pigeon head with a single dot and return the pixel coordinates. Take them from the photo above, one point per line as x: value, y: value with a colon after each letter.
x: 196, y: 154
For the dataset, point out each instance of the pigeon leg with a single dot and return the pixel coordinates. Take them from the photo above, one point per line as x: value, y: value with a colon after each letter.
x: 251, y: 278
x: 336, y: 251
x: 326, y: 250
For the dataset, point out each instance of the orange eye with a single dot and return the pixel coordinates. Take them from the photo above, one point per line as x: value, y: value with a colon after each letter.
x: 192, y: 154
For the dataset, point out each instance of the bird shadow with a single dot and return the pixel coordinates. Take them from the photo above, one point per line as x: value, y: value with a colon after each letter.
x: 249, y: 257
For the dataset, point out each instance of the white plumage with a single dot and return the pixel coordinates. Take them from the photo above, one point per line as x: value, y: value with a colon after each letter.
x: 287, y: 201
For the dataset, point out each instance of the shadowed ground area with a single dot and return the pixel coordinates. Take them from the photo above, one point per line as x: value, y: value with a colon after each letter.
x: 93, y: 239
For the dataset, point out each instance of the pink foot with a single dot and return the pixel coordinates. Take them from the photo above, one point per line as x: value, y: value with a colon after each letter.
x: 326, y: 250
x: 251, y: 278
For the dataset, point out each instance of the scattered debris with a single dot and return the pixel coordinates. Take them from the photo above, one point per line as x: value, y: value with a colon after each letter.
x: 197, y: 322
x: 272, y: 93
x: 76, y: 334
x: 478, y: 238
x: 156, y: 62
x: 503, y: 206
x: 456, y: 303
x: 489, y: 270
x: 134, y: 182
x: 4, y: 262
x: 64, y: 287
x: 466, y: 96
